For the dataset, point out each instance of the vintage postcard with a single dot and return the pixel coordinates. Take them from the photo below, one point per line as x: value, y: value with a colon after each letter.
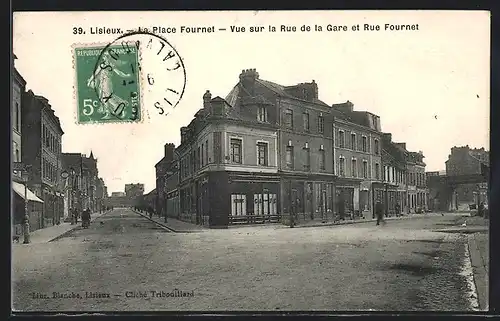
x: 250, y: 161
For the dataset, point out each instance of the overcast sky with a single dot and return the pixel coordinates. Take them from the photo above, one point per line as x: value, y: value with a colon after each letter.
x: 429, y: 86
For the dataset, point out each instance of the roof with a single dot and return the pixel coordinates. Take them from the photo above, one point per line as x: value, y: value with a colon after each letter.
x: 281, y: 91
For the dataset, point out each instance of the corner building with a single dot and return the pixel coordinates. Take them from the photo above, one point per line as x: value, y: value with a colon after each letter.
x: 266, y: 148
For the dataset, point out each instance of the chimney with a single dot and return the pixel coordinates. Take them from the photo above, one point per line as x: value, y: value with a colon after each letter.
x: 169, y: 151
x: 206, y: 101
x: 315, y: 89
x: 346, y: 107
x: 247, y: 81
x: 184, y: 131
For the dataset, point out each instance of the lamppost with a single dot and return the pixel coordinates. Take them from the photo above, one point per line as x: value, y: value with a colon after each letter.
x: 65, y: 175
x: 25, y: 177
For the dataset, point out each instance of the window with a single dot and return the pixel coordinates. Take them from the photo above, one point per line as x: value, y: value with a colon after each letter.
x: 321, y: 124
x: 17, y: 117
x: 262, y: 157
x: 14, y: 149
x: 354, y: 167
x: 341, y: 139
x: 377, y: 151
x: 202, y: 155
x: 236, y: 150
x: 206, y: 152
x: 353, y: 141
x: 47, y: 138
x: 364, y: 144
x: 262, y: 114
x: 289, y: 118
x: 307, y: 159
x: 365, y: 169
x: 377, y: 171
x: 289, y: 156
x: 238, y: 204
x: 305, y: 119
x: 341, y: 166
x: 198, y: 158
x: 322, y: 159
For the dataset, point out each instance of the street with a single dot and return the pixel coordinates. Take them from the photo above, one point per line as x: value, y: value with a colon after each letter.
x: 125, y: 262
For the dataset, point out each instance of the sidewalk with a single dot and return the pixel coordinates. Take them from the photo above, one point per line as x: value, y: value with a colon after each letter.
x: 478, y: 244
x: 48, y: 234
x: 318, y: 223
x: 174, y: 225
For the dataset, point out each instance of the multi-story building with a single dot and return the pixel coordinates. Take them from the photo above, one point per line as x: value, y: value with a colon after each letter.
x: 358, y: 155
x: 468, y: 161
x: 35, y: 204
x: 394, y: 173
x: 228, y: 161
x: 167, y: 180
x: 81, y: 186
x: 18, y: 89
x: 101, y: 193
x: 417, y: 182
x: 41, y: 150
x: 134, y: 190
x: 268, y: 148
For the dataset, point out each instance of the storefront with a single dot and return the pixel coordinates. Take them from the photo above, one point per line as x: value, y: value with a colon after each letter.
x: 35, y: 208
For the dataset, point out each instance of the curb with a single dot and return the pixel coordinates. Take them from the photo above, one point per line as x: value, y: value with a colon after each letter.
x: 361, y: 221
x: 476, y: 303
x: 158, y: 223
x: 60, y: 236
x: 474, y: 297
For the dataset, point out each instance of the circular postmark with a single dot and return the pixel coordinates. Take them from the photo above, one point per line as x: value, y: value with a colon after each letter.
x: 117, y: 77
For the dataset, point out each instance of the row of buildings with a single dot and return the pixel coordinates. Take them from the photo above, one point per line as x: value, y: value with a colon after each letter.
x: 267, y: 149
x: 44, y: 179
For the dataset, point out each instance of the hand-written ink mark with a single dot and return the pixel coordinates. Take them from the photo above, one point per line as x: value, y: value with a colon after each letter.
x: 162, y: 46
x: 113, y: 54
x: 107, y: 98
x: 175, y: 92
x: 177, y: 67
x: 167, y: 101
x: 169, y: 55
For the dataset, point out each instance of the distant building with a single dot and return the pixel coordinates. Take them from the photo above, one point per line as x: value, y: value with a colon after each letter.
x: 468, y: 161
x: 83, y: 189
x: 134, y: 190
x: 41, y: 150
x: 167, y: 198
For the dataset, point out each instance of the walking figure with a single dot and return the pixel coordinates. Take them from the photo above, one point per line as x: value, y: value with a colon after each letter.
x: 379, y: 211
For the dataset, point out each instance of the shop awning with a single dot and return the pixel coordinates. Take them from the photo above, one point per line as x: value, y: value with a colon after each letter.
x: 19, y: 189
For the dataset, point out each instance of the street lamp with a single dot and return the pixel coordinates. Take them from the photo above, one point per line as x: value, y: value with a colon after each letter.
x: 25, y: 177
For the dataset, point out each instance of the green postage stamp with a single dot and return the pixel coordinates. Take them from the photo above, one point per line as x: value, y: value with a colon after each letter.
x: 107, y: 83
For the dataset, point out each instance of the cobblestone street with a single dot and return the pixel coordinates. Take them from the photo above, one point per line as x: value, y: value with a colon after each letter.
x: 403, y: 265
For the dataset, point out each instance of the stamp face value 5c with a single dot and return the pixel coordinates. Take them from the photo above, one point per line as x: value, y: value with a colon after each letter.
x: 107, y: 84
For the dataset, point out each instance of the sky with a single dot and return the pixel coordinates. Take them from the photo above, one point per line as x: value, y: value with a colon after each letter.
x: 429, y: 86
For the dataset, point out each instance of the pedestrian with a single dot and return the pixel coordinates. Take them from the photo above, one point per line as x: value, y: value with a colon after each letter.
x: 379, y: 212
x: 398, y: 210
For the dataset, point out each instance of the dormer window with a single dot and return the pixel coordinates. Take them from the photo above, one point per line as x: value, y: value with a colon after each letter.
x: 262, y: 114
